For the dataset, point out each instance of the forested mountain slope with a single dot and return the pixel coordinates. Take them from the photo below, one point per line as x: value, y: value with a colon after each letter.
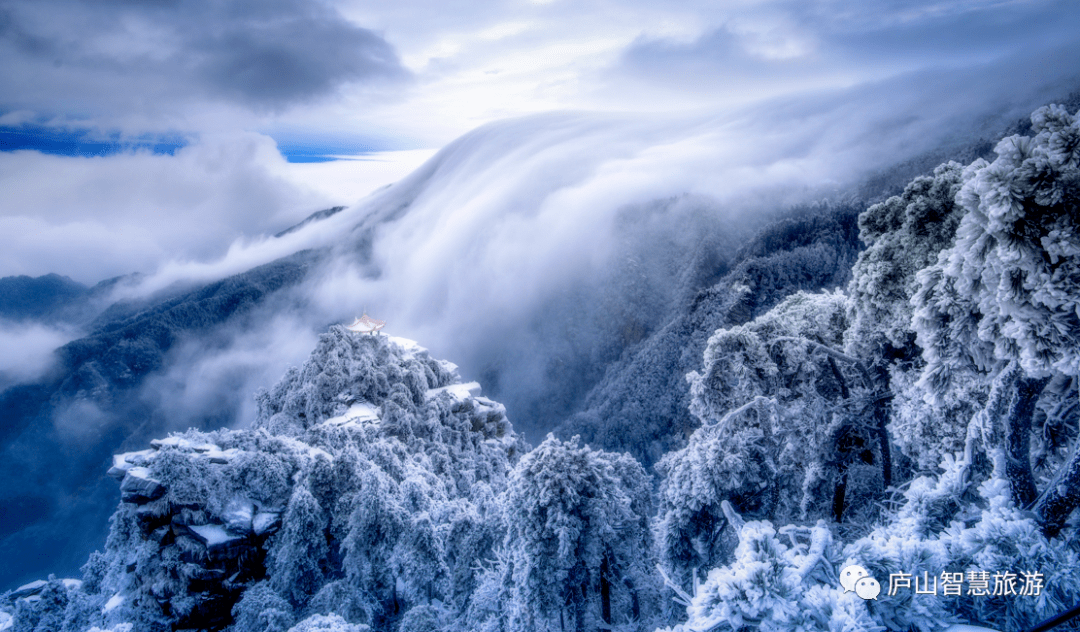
x: 926, y: 418
x: 25, y: 298
x: 642, y: 404
x: 93, y: 392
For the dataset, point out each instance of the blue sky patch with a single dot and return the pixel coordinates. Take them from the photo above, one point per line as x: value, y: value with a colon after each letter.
x: 325, y: 147
x: 81, y: 142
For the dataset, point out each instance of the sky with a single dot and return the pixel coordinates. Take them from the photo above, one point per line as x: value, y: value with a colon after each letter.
x: 137, y: 133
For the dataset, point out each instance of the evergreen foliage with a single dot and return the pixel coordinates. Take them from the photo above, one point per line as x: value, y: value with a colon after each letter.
x: 785, y: 431
x: 963, y: 315
x: 1004, y: 299
x: 577, y: 538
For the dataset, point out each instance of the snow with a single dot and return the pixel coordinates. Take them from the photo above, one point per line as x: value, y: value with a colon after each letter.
x: 173, y: 442
x: 121, y: 463
x: 459, y: 392
x: 139, y: 472
x: 113, y: 603
x: 138, y: 487
x: 217, y: 455
x: 31, y: 588
x: 410, y: 348
x: 119, y: 627
x: 359, y: 413
x: 265, y: 521
x: 214, y: 535
x: 180, y: 443
x: 238, y: 514
x: 72, y: 584
x: 314, y: 452
x: 794, y: 379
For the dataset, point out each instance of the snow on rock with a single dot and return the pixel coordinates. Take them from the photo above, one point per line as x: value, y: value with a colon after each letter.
x: 450, y: 368
x: 210, y: 451
x: 266, y: 522
x: 358, y: 414
x: 459, y: 392
x: 173, y: 441
x: 219, y: 456
x: 238, y: 515
x: 121, y: 463
x: 139, y: 488
x: 409, y: 348
x: 6, y: 621
x: 72, y: 584
x: 32, y: 588
x: 215, y: 536
x: 113, y: 603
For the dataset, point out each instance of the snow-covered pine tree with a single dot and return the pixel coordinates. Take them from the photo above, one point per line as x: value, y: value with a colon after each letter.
x: 785, y: 415
x: 297, y: 559
x: 1004, y: 300
x: 903, y: 235
x: 578, y: 540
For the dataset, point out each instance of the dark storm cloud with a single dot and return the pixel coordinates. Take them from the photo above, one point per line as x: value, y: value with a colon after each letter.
x: 67, y: 57
x: 277, y: 57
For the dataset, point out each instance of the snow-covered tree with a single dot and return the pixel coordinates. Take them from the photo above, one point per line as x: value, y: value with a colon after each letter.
x: 1005, y: 298
x: 578, y: 539
x: 775, y: 586
x: 904, y: 235
x: 785, y: 579
x: 785, y: 415
x: 297, y: 559
x: 262, y: 610
x: 365, y: 495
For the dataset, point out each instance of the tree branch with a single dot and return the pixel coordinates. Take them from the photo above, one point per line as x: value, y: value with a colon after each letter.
x: 838, y: 355
x: 880, y: 402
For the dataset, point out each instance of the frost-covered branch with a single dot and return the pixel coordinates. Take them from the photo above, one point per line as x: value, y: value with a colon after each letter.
x: 880, y: 401
x: 757, y: 401
x: 820, y: 537
x: 681, y: 596
x: 835, y: 354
